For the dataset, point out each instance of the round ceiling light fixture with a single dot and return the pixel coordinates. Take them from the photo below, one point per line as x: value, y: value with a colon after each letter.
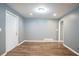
x: 41, y: 9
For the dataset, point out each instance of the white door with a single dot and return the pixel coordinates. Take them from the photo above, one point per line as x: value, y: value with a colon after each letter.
x: 11, y: 31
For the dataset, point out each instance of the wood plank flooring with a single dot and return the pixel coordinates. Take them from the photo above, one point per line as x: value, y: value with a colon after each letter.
x: 40, y: 49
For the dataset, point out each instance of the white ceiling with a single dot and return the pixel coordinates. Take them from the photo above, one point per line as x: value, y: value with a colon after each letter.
x: 59, y: 8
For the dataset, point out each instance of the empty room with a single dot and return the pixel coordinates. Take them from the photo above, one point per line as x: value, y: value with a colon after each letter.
x: 39, y: 29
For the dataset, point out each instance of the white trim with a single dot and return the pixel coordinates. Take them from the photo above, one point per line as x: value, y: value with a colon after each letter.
x: 41, y: 41
x: 61, y: 41
x: 20, y: 43
x: 4, y: 54
x: 61, y: 20
x: 11, y: 13
x: 10, y: 50
x: 59, y: 32
x: 71, y: 49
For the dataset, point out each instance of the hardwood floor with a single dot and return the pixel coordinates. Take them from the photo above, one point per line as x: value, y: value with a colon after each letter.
x: 40, y: 49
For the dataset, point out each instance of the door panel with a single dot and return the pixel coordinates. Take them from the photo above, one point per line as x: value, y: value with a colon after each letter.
x: 11, y: 31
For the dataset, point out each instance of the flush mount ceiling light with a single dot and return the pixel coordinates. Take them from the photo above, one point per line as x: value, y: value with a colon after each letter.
x: 41, y: 9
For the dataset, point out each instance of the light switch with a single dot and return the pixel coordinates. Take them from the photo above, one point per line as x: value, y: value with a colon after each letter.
x: 0, y: 29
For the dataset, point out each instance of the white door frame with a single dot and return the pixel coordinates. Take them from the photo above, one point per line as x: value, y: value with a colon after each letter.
x: 59, y: 40
x: 16, y: 24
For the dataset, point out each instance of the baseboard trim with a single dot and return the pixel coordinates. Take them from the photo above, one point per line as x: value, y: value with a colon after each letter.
x: 4, y: 54
x: 41, y: 41
x: 61, y: 41
x: 71, y: 49
x: 21, y: 43
x: 10, y: 50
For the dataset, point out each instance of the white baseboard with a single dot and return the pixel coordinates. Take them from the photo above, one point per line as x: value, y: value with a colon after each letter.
x: 42, y: 41
x: 21, y: 43
x: 4, y: 54
x: 61, y: 41
x: 10, y: 50
x: 71, y: 49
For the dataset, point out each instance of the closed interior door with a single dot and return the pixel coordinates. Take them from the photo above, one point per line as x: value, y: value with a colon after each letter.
x: 11, y: 30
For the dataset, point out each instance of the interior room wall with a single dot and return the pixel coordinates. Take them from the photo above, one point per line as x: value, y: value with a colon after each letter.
x: 41, y: 29
x: 2, y: 27
x: 21, y: 29
x: 71, y: 30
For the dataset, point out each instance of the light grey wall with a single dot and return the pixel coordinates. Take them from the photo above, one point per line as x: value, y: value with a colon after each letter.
x: 2, y: 26
x: 39, y: 29
x: 21, y: 29
x: 71, y: 30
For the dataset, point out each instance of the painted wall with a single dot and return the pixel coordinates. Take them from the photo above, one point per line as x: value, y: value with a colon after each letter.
x: 21, y: 29
x: 40, y: 29
x: 71, y: 30
x: 2, y: 26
